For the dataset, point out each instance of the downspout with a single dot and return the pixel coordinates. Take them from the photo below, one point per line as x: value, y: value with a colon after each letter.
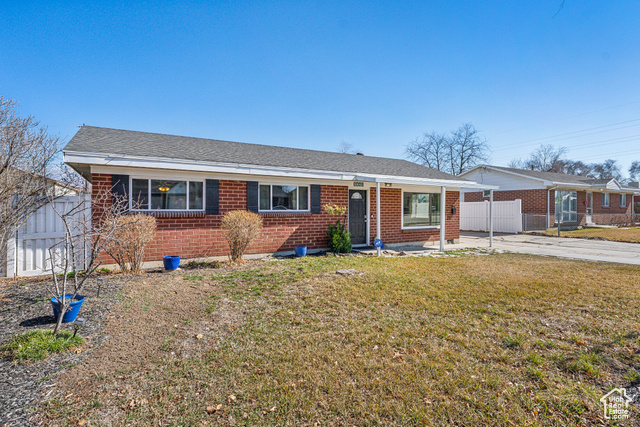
x: 378, y: 215
x: 443, y: 201
x: 549, y: 207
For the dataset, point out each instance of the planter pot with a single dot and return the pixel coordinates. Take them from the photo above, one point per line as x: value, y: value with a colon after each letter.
x: 72, y: 312
x: 301, y: 251
x: 171, y: 262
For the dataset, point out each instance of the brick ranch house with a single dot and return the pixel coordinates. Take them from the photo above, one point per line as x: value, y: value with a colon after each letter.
x: 548, y: 197
x: 188, y: 184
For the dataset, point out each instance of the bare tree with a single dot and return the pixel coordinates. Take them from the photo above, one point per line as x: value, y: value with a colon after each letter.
x: 346, y: 148
x: 634, y: 170
x: 432, y: 150
x: 576, y: 167
x: 26, y: 152
x: 74, y: 259
x: 545, y: 158
x: 609, y: 169
x: 455, y: 153
x: 466, y: 149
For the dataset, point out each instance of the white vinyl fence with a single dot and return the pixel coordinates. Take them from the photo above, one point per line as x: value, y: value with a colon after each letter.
x: 28, y: 254
x: 507, y: 216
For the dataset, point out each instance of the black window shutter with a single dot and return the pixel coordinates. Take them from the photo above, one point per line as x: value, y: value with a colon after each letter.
x: 213, y: 197
x: 120, y: 189
x: 252, y: 196
x: 316, y: 207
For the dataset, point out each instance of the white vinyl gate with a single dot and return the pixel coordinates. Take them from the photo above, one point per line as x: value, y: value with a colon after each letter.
x: 507, y: 216
x: 28, y: 253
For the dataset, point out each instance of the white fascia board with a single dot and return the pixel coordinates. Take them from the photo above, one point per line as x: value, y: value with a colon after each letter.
x: 99, y: 159
x: 433, y: 182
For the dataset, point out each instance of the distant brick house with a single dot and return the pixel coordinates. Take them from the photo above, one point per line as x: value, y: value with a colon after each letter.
x: 554, y: 197
x: 190, y: 183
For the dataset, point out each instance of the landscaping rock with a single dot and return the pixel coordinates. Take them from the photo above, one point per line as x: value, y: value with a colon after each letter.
x: 347, y: 272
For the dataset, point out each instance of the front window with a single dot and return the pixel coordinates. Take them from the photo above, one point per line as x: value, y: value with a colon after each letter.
x: 566, y: 206
x: 284, y: 197
x: 623, y: 200
x: 167, y: 195
x: 605, y: 199
x: 420, y: 210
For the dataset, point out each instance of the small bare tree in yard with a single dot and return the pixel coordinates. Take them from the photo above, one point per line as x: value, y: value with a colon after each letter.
x: 133, y: 233
x: 26, y: 152
x: 240, y: 228
x: 75, y: 258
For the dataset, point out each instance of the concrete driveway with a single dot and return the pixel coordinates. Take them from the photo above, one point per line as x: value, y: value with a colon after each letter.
x: 563, y: 247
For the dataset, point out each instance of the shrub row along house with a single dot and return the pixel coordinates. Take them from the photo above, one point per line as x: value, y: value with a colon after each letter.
x: 549, y: 197
x: 190, y: 183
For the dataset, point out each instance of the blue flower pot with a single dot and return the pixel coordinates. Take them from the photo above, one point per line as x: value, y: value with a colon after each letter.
x: 301, y: 251
x: 171, y: 262
x: 72, y: 312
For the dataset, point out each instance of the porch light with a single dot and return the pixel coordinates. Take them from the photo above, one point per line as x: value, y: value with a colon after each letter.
x: 164, y: 188
x: 387, y: 184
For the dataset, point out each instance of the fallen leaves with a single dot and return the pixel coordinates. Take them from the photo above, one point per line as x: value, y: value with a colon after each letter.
x: 214, y: 409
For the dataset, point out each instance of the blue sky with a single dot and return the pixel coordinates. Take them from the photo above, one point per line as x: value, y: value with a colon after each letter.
x: 312, y: 74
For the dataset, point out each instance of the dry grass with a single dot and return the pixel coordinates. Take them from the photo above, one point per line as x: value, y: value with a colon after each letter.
x: 631, y: 235
x: 474, y: 340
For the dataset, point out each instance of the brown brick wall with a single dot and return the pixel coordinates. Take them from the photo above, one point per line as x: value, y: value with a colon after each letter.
x: 199, y: 235
x: 391, y: 218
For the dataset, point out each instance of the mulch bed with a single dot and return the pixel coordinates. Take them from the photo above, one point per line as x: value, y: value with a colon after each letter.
x: 24, y: 306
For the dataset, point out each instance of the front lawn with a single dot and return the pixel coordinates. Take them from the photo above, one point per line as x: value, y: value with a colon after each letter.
x: 631, y: 235
x: 472, y: 340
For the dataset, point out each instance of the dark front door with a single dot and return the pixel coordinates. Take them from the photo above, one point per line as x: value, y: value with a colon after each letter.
x: 358, y: 216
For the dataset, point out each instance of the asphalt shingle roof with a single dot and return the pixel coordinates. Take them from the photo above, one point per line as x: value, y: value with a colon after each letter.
x: 554, y: 176
x: 90, y: 139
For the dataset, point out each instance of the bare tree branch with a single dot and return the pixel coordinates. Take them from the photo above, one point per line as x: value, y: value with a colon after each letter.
x: 26, y: 152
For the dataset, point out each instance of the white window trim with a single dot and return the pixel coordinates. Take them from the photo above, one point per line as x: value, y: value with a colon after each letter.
x: 420, y: 227
x: 271, y: 184
x: 608, y: 200
x: 563, y: 212
x: 623, y: 195
x: 149, y: 179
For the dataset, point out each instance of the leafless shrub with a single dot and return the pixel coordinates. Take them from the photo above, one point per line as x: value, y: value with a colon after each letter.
x: 75, y: 258
x: 133, y: 233
x: 240, y: 228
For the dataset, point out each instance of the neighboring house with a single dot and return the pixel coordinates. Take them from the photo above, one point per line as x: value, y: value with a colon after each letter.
x: 190, y: 183
x: 551, y: 197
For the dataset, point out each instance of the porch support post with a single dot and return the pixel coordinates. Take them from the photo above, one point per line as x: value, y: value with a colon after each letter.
x: 443, y: 202
x: 490, y: 218
x: 378, y: 214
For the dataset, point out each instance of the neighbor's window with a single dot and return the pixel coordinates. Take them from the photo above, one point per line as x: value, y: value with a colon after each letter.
x: 165, y: 194
x: 605, y: 199
x: 284, y: 197
x: 623, y: 200
x: 566, y: 206
x: 486, y: 193
x: 420, y: 210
